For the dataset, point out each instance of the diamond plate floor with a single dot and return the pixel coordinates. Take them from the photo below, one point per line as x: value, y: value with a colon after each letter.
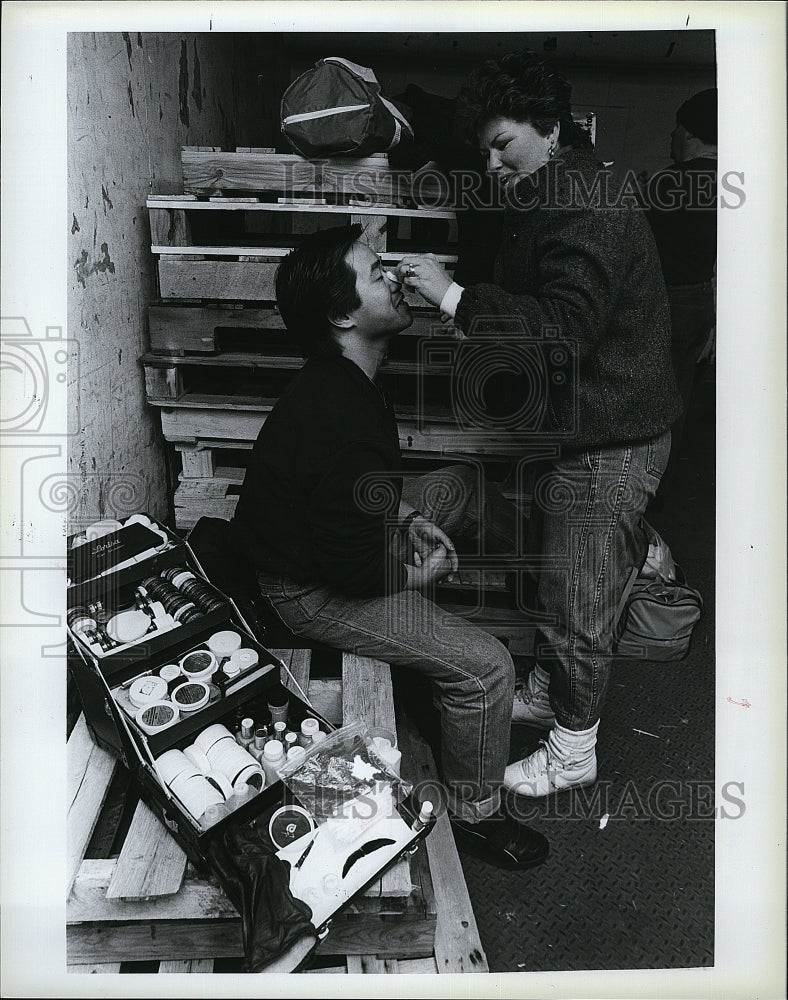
x: 638, y: 892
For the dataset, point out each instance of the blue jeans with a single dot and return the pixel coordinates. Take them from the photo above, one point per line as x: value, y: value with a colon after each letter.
x: 471, y: 671
x: 590, y: 504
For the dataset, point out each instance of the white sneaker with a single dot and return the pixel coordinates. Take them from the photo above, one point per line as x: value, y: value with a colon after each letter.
x: 531, y: 706
x: 566, y: 759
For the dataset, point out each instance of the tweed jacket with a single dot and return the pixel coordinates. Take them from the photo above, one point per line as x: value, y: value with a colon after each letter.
x: 578, y: 279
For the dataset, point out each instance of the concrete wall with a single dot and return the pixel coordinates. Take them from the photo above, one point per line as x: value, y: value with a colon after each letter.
x: 133, y: 100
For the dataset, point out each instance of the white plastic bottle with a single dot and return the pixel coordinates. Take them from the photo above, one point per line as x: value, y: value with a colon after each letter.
x: 272, y: 760
x: 308, y: 729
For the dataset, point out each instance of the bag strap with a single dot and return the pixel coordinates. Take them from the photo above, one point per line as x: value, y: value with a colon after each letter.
x: 625, y: 596
x: 368, y: 76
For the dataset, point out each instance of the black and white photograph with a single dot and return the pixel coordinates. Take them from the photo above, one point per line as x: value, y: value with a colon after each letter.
x: 393, y: 499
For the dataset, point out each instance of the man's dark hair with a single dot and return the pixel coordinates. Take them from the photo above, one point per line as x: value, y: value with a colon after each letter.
x: 313, y: 284
x: 523, y: 87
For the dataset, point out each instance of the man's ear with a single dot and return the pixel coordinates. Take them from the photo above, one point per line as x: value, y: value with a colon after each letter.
x: 342, y: 322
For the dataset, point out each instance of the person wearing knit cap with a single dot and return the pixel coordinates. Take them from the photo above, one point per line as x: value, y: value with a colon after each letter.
x: 683, y: 215
x: 698, y: 117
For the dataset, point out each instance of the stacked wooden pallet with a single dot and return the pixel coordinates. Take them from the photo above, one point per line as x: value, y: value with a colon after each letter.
x: 149, y: 905
x: 219, y: 354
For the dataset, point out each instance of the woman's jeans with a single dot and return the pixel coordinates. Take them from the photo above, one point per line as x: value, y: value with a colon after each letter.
x: 590, y: 505
x: 471, y: 670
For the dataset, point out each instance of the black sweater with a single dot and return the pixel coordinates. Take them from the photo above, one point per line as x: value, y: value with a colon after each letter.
x: 683, y: 216
x: 588, y: 266
x: 322, y: 489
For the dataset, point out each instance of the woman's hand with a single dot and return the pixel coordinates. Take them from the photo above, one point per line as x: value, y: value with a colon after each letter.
x: 425, y: 274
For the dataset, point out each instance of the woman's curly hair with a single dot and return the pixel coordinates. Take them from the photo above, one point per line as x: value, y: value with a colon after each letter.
x: 520, y: 86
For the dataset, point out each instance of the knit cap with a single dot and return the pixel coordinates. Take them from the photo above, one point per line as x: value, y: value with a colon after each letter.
x: 698, y: 115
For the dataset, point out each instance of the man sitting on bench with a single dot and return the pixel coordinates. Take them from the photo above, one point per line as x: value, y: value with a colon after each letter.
x: 343, y: 552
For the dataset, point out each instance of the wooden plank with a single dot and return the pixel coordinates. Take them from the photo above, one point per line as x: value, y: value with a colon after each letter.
x: 231, y: 473
x: 325, y: 694
x: 371, y: 964
x: 176, y: 328
x: 367, y: 696
x: 184, y: 425
x: 225, y: 280
x: 89, y: 773
x: 151, y: 863
x: 374, y: 230
x: 286, y: 360
x: 225, y: 199
x: 96, y: 969
x: 193, y: 425
x: 295, y: 206
x: 198, y: 899
x: 417, y: 966
x: 153, y: 199
x: 163, y: 383
x: 276, y: 254
x: 386, y: 937
x: 188, y: 328
x: 197, y: 462
x: 203, y: 489
x: 170, y: 226
x: 176, y: 940
x: 458, y: 947
x: 298, y: 663
x: 200, y: 922
x: 368, y: 964
x: 197, y: 965
x: 216, y: 279
x: 188, y: 513
x: 290, y: 173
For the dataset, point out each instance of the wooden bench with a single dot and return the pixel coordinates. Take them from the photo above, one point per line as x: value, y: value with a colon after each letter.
x: 149, y: 904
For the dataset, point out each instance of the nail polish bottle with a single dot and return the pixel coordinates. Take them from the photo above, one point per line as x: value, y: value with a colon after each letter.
x: 261, y: 738
x: 246, y: 736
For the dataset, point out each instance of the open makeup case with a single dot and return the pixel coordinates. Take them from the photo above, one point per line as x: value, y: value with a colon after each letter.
x: 174, y: 683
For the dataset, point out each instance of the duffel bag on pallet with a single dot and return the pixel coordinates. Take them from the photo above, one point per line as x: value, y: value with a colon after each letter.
x: 336, y: 109
x: 658, y: 610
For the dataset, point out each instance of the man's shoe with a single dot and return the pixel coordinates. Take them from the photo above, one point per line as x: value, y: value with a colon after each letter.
x: 531, y: 706
x: 566, y: 759
x: 502, y: 842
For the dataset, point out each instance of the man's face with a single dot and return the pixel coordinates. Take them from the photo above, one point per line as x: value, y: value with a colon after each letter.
x: 383, y: 310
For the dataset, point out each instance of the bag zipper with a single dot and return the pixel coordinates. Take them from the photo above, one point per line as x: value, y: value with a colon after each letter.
x: 324, y: 113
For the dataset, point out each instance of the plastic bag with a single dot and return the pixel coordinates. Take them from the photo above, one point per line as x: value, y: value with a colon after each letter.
x: 344, y: 777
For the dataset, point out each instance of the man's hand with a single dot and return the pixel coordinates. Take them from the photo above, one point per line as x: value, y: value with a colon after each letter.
x: 424, y: 536
x: 435, y: 566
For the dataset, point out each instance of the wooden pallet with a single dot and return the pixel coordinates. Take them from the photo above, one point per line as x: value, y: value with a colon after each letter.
x: 149, y: 905
x: 222, y: 280
x: 220, y: 356
x: 211, y: 170
x: 177, y: 329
